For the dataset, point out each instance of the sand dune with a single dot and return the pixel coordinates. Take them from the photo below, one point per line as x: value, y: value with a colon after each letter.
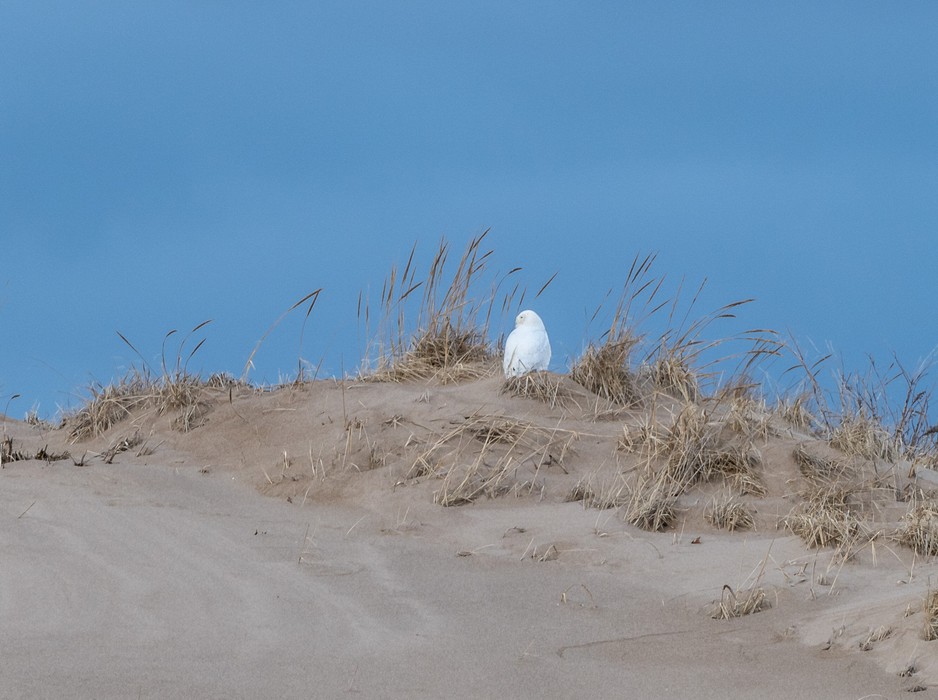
x: 284, y: 546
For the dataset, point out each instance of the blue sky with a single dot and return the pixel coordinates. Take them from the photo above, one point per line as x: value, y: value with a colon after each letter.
x: 164, y: 163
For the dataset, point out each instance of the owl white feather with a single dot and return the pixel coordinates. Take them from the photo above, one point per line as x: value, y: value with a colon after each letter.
x: 527, y: 348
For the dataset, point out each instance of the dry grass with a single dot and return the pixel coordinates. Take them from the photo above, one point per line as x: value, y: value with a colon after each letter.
x: 795, y: 412
x: 727, y: 512
x: 683, y: 363
x: 175, y: 388
x: 876, y: 635
x: 540, y: 386
x: 448, y: 340
x: 312, y: 298
x: 483, y: 455
x: 478, y: 478
x: 930, y: 608
x: 739, y: 470
x: 122, y: 444
x: 651, y: 503
x: 859, y: 436
x: 647, y: 437
x: 690, y: 438
x: 919, y: 528
x: 602, y: 493
x: 822, y: 471
x: 672, y: 373
x: 737, y: 604
x: 444, y: 354
x: 825, y: 519
x: 697, y: 451
x: 604, y: 370
x: 884, y: 413
x: 8, y: 454
x: 748, y: 417
x: 693, y: 449
x: 109, y: 405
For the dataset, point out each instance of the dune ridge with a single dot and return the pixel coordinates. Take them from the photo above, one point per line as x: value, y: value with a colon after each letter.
x: 641, y: 526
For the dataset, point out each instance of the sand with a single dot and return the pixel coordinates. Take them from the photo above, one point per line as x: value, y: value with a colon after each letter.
x: 279, y: 549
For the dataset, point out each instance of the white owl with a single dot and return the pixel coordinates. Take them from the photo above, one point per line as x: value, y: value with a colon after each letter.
x: 527, y: 348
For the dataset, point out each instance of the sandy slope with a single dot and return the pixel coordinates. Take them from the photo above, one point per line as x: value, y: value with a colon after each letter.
x: 168, y: 575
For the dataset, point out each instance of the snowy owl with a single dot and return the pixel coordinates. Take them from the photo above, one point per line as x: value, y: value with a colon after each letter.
x: 527, y: 348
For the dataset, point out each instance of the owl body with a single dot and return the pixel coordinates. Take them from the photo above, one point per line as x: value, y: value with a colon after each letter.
x: 527, y: 348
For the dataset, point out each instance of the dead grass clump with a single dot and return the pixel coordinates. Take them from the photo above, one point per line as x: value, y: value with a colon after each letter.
x: 697, y: 452
x: 541, y: 386
x: 532, y: 444
x: 820, y: 470
x: 177, y: 391
x: 445, y: 345
x: 862, y: 437
x: 672, y: 364
x: 581, y: 492
x: 652, y: 501
x: 672, y: 374
x: 689, y: 441
x: 795, y: 412
x: 726, y: 511
x: 733, y: 604
x: 603, y: 495
x: 225, y: 380
x: 825, y: 520
x: 443, y: 353
x: 738, y: 466
x: 605, y: 367
x: 647, y: 437
x: 191, y: 416
x: 919, y: 528
x: 884, y: 413
x: 109, y: 405
x: 496, y: 429
x: 173, y: 389
x: 930, y: 608
x: 484, y: 455
x: 8, y: 454
x: 749, y: 418
x: 122, y: 444
x: 876, y: 635
x: 448, y: 341
x: 604, y: 370
x: 482, y: 477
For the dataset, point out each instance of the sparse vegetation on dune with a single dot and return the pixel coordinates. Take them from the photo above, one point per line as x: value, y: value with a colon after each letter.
x: 655, y: 427
x: 654, y: 420
x: 173, y: 389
